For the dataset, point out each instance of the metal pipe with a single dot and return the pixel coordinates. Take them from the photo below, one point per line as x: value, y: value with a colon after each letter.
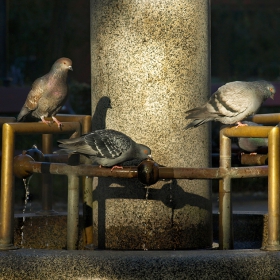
x: 7, y: 179
x: 225, y: 202
x: 29, y: 166
x: 273, y: 190
x: 84, y: 120
x: 73, y: 212
x: 87, y: 209
x: 7, y: 188
x: 254, y: 159
x: 47, y: 186
x: 266, y: 118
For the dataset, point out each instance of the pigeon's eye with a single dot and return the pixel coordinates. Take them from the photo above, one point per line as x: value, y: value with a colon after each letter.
x: 271, y: 89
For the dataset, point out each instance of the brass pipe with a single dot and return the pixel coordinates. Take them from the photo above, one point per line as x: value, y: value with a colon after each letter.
x: 7, y: 120
x: 22, y: 167
x: 247, y: 131
x: 7, y: 188
x: 47, y: 187
x: 266, y: 118
x: 254, y: 159
x: 84, y: 120
x: 225, y: 202
x: 7, y: 180
x: 87, y: 209
x: 73, y: 212
x: 273, y: 190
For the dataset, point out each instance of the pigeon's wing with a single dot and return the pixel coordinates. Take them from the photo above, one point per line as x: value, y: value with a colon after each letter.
x: 38, y: 89
x: 108, y: 143
x: 77, y: 145
x: 31, y: 103
x: 231, y: 99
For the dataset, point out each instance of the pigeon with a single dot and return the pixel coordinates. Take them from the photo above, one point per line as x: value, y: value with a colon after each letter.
x: 252, y: 144
x: 232, y: 103
x: 47, y: 95
x: 106, y: 147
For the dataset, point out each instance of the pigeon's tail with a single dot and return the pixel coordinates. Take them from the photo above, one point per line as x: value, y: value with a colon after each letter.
x: 63, y: 151
x: 22, y: 114
x: 197, y: 123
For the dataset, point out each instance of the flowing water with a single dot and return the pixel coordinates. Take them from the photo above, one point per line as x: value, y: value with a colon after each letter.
x: 145, y: 224
x: 27, y: 203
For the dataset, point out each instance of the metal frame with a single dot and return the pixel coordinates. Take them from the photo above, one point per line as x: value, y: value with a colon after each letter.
x: 9, y: 130
x: 26, y: 165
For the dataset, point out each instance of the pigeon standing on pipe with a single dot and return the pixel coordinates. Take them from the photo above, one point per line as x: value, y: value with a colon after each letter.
x: 106, y: 147
x: 232, y: 103
x: 47, y: 95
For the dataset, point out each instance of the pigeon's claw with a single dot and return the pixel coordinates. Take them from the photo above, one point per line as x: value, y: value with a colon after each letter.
x: 241, y: 124
x: 116, y: 167
x: 44, y: 121
x: 57, y: 121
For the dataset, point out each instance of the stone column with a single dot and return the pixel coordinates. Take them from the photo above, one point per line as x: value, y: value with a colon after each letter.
x: 151, y: 58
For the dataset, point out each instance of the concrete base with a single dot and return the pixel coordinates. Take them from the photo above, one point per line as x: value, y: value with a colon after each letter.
x: 200, y: 264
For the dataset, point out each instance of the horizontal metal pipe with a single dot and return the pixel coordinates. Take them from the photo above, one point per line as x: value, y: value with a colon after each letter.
x: 132, y: 172
x: 7, y: 120
x: 40, y: 128
x: 266, y: 118
x: 254, y: 159
x: 247, y: 131
x: 84, y: 120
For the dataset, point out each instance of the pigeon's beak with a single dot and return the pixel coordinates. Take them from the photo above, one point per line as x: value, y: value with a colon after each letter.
x: 70, y: 68
x: 272, y: 96
x: 150, y: 156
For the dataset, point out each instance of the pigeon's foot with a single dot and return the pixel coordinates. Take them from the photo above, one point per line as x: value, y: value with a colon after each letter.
x: 44, y: 121
x: 241, y: 124
x: 116, y: 167
x: 59, y: 124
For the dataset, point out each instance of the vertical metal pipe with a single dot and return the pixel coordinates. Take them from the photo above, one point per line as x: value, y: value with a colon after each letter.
x: 87, y: 193
x: 73, y: 212
x: 47, y: 188
x: 87, y: 211
x: 7, y: 188
x: 273, y: 190
x: 225, y: 203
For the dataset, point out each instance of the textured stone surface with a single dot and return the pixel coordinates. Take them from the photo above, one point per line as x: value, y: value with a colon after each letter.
x: 46, y: 264
x: 151, y: 59
x: 43, y: 232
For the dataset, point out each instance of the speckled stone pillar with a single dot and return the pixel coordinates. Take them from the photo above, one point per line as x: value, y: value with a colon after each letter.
x: 151, y: 58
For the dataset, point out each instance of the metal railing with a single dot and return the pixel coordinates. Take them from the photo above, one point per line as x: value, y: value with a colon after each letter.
x: 76, y: 124
x: 148, y: 172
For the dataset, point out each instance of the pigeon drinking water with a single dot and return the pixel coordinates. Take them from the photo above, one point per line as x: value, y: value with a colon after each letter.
x: 47, y: 95
x: 106, y: 147
x: 232, y: 103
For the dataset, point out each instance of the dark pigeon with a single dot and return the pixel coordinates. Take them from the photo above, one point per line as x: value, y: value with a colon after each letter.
x: 47, y: 95
x: 232, y: 103
x: 106, y: 147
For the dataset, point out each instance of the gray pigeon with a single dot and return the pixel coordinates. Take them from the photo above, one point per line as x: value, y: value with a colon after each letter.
x: 106, y: 147
x: 252, y: 144
x: 232, y: 103
x: 47, y: 95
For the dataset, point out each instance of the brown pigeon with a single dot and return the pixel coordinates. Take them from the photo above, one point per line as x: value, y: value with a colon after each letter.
x: 232, y: 103
x: 106, y: 147
x: 47, y: 95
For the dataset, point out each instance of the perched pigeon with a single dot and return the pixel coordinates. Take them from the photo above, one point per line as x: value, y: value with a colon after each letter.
x: 252, y: 144
x: 232, y: 103
x: 106, y: 147
x: 47, y: 95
